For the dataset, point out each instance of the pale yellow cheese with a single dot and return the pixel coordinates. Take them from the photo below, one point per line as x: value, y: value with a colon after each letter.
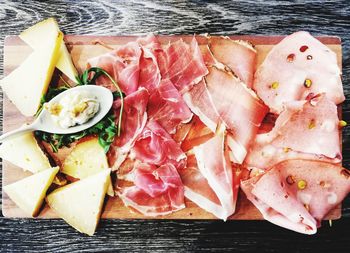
x: 26, y: 85
x: 80, y: 203
x: 34, y: 35
x: 24, y: 152
x: 29, y: 193
x: 87, y: 158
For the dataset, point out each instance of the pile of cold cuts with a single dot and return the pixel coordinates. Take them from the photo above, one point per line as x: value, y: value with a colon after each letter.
x: 199, y: 121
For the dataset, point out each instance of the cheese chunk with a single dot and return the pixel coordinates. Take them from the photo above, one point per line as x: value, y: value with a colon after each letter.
x: 24, y: 152
x: 86, y: 159
x: 34, y: 35
x: 29, y: 193
x: 26, y: 85
x: 80, y: 203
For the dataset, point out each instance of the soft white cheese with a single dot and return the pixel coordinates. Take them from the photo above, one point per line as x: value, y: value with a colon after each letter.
x: 75, y: 108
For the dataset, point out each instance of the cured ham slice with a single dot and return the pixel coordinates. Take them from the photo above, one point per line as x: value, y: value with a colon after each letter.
x: 217, y: 170
x: 157, y: 191
x: 167, y: 107
x: 238, y: 107
x: 182, y: 64
x: 305, y: 129
x: 294, y: 68
x: 298, y: 194
x: 134, y: 120
x: 198, y: 190
x: 155, y: 146
x: 123, y: 65
x: 239, y: 56
x: 199, y: 101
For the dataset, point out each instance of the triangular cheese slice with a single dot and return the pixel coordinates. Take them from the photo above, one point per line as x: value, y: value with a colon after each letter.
x: 30, y: 192
x: 34, y: 35
x: 26, y: 85
x: 24, y: 152
x: 86, y: 159
x: 80, y: 203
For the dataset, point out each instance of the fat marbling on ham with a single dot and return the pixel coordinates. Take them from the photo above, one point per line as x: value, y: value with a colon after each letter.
x: 157, y: 190
x: 306, y: 129
x: 167, y: 107
x: 155, y: 146
x: 134, y: 119
x: 297, y: 66
x: 237, y: 55
x: 298, y: 194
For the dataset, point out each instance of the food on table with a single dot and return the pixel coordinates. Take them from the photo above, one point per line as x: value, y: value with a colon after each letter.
x: 35, y: 37
x: 133, y: 121
x: 24, y: 152
x: 75, y: 108
x: 298, y: 66
x: 87, y: 158
x: 167, y: 107
x: 298, y: 194
x: 157, y: 190
x: 26, y: 85
x: 237, y: 55
x: 80, y: 203
x: 186, y: 122
x: 217, y: 169
x: 306, y: 129
x: 30, y: 192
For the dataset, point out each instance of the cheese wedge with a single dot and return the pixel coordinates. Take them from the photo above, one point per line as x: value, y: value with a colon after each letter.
x: 80, y: 203
x: 24, y: 152
x: 34, y: 35
x: 29, y: 193
x: 26, y: 85
x: 86, y: 159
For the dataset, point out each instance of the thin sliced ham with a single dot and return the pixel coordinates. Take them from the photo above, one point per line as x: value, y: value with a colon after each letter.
x: 298, y: 194
x: 183, y: 64
x: 198, y: 190
x: 215, y: 167
x: 157, y: 191
x: 167, y: 107
x: 123, y: 64
x: 199, y: 101
x: 155, y: 146
x: 297, y: 66
x: 239, y: 56
x: 238, y: 107
x: 133, y: 122
x: 305, y: 129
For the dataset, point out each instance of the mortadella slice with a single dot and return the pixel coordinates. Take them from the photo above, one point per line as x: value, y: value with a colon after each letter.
x: 296, y: 67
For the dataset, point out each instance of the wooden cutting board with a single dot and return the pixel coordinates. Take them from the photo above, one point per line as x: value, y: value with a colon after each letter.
x: 84, y: 47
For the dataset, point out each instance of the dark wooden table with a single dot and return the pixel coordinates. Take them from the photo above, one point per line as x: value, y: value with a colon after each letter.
x: 181, y: 17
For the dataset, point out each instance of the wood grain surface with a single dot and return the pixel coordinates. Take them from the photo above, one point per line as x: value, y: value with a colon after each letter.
x: 180, y: 17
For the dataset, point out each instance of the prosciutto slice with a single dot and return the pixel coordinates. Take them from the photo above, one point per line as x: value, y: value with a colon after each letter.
x: 217, y: 169
x: 155, y: 146
x: 167, y: 107
x: 294, y: 68
x: 238, y: 107
x: 239, y: 56
x: 123, y: 64
x: 305, y: 129
x: 298, y: 194
x: 198, y: 190
x: 182, y: 64
x: 133, y: 121
x: 157, y: 191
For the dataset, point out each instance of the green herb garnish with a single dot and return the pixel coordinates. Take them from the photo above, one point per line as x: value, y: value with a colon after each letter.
x: 106, y: 129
